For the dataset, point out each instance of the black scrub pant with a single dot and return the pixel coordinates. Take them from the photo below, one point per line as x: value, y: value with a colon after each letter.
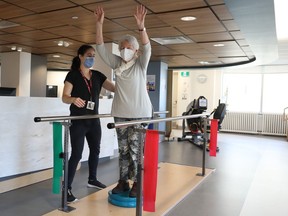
x: 79, y: 130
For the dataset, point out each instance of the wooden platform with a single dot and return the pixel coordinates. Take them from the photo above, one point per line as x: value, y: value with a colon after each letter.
x: 174, y: 183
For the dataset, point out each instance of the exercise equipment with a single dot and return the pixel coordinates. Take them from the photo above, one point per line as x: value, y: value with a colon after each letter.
x: 195, y: 135
x: 122, y: 199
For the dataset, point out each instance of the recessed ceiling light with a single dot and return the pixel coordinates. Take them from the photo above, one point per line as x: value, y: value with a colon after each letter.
x: 218, y: 45
x: 188, y: 18
x: 172, y: 40
x: 209, y: 62
x: 19, y: 49
x: 7, y: 24
x: 66, y: 44
x: 60, y: 43
x: 13, y: 48
x: 75, y: 17
x: 56, y: 56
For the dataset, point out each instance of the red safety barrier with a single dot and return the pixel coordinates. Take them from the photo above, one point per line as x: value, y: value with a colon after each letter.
x: 150, y: 170
x: 213, y: 137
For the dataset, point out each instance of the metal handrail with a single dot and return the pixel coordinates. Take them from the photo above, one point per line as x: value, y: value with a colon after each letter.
x: 63, y: 118
x: 144, y: 121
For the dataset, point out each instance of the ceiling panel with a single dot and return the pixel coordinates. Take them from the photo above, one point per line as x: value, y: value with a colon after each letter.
x: 37, y: 21
x: 62, y: 30
x: 115, y: 8
x: 41, y: 25
x: 206, y: 21
x: 151, y: 21
x: 9, y: 11
x: 169, y: 5
x: 217, y: 36
x: 42, y: 5
x: 222, y: 12
x: 37, y: 34
x: 16, y: 29
x: 83, y: 2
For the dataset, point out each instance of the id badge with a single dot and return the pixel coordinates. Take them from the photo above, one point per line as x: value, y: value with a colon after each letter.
x: 90, y: 105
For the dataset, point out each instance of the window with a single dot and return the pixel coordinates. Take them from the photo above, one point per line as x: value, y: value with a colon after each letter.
x: 275, y: 90
x: 242, y: 92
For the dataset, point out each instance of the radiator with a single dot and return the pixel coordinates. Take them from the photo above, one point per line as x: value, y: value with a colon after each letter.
x: 240, y: 122
x: 254, y: 123
x: 274, y: 124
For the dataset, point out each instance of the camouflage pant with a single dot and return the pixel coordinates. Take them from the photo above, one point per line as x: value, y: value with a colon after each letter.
x: 128, y: 144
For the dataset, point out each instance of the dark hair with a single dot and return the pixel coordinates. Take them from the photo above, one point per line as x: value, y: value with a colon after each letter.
x: 76, y: 60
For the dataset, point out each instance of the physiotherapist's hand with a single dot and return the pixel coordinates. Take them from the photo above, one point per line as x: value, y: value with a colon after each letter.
x: 79, y: 102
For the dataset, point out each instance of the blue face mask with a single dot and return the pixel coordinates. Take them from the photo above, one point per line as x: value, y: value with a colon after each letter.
x: 89, y: 62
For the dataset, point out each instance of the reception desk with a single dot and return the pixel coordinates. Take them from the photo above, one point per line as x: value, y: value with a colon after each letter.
x: 27, y: 146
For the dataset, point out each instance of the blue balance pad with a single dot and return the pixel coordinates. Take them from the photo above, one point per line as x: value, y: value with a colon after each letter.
x: 122, y: 200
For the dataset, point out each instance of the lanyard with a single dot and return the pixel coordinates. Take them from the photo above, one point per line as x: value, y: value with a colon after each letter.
x: 89, y: 85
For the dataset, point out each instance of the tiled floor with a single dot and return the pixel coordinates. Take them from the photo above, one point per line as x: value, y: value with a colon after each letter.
x: 250, y: 180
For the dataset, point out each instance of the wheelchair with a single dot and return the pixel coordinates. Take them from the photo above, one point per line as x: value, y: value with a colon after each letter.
x: 195, y: 135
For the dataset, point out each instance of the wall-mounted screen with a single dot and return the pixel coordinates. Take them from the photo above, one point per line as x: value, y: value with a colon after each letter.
x: 5, y: 91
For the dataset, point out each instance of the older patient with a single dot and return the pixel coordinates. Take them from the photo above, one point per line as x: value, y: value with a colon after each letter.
x: 131, y: 101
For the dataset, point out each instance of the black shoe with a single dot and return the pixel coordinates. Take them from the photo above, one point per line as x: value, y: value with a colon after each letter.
x: 133, y: 191
x: 95, y: 184
x: 121, y: 187
x: 70, y: 197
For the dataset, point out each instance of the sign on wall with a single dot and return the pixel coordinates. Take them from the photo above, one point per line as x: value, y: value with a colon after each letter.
x: 151, y: 82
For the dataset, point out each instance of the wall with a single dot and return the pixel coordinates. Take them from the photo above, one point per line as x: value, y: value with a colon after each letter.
x: 27, y: 146
x: 191, y: 84
x: 159, y: 70
x: 56, y: 78
x: 38, y: 76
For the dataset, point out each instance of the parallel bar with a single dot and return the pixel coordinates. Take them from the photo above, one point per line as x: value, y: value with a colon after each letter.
x: 123, y: 124
x: 62, y: 118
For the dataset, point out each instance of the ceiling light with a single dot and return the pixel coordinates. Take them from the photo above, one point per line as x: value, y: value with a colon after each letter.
x: 65, y: 43
x: 188, y: 18
x: 60, y: 43
x: 218, y: 45
x: 13, y: 48
x: 19, y: 49
x: 209, y: 62
x: 56, y: 56
x: 7, y: 24
x: 74, y: 17
x: 172, y: 40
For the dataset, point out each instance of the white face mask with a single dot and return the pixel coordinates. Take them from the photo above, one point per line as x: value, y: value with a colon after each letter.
x: 127, y: 54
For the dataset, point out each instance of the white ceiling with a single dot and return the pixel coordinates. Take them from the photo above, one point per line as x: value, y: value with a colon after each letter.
x: 256, y: 19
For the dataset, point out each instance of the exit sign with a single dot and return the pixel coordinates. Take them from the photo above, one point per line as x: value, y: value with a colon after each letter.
x: 185, y: 74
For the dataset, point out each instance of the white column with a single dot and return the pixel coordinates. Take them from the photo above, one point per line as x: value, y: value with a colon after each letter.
x: 16, y: 71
